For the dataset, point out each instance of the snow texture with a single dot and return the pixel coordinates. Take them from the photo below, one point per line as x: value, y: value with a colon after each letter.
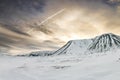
x: 98, y: 66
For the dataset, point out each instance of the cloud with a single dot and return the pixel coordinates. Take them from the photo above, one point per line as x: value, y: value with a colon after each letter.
x: 14, y: 28
x: 19, y: 10
x: 80, y: 19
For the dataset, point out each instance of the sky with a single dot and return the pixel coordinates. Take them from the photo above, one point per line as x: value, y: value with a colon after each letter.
x: 37, y: 25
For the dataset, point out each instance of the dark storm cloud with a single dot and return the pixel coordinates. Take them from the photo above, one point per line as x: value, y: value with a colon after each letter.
x: 13, y: 28
x: 12, y: 9
x: 23, y: 5
x: 112, y: 2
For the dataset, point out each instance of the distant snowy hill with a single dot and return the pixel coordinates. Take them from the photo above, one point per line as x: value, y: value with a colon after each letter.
x: 38, y: 53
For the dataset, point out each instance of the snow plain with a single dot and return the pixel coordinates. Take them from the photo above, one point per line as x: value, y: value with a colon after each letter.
x: 98, y: 66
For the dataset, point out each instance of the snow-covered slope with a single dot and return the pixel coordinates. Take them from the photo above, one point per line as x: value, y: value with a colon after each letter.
x: 74, y: 47
x: 62, y: 67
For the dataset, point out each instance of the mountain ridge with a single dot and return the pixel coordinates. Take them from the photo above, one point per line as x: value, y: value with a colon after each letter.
x: 99, y: 44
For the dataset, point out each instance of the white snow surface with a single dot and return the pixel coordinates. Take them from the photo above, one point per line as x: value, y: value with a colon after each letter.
x: 97, y: 66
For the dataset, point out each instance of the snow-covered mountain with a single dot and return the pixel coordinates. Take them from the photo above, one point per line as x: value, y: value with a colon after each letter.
x: 102, y: 43
x: 105, y: 42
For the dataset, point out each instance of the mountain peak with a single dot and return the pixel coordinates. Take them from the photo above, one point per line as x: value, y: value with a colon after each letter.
x: 108, y: 34
x: 105, y: 42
